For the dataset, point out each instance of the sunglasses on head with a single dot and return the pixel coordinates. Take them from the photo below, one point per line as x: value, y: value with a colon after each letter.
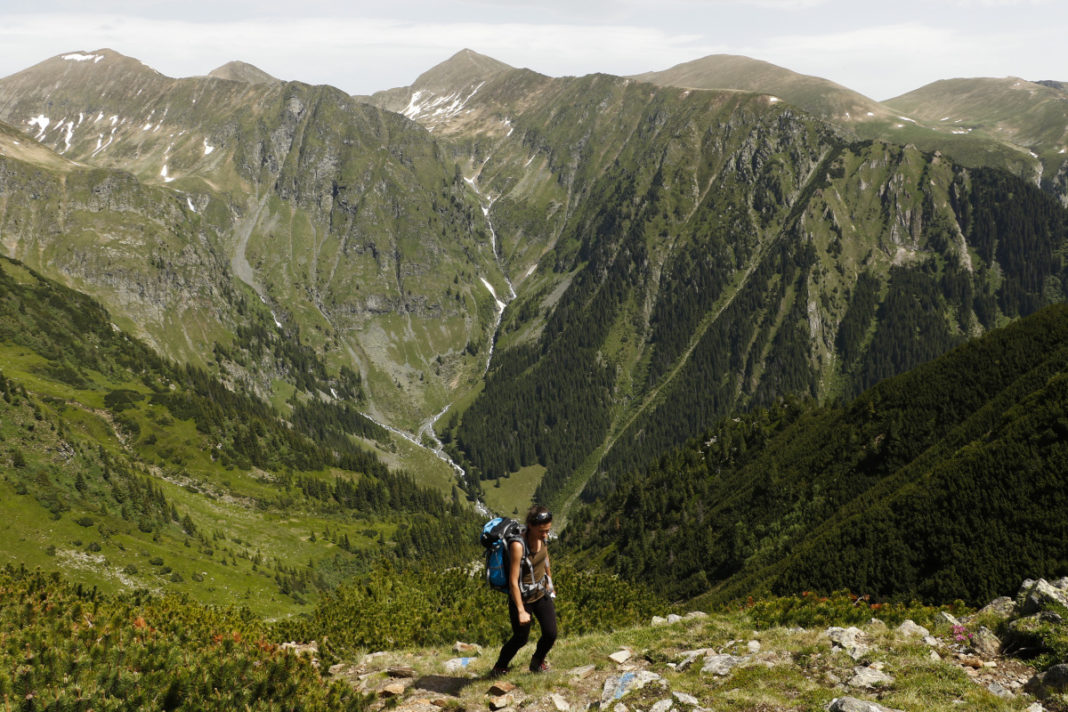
x: 542, y: 518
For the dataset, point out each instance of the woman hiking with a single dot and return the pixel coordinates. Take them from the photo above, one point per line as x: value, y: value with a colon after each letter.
x: 530, y: 593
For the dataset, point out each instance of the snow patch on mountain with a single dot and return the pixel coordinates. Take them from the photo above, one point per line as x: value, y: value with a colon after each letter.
x: 83, y: 57
x: 425, y: 104
x: 42, y: 121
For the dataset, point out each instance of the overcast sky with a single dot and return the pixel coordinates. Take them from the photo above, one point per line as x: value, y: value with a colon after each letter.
x: 881, y: 49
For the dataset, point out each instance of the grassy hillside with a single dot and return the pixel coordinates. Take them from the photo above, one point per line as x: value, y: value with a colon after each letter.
x: 71, y: 648
x: 945, y: 482
x: 124, y: 470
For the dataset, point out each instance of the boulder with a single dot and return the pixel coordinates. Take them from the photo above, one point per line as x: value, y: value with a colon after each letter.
x: 499, y: 703
x: 851, y: 640
x: 620, y: 656
x: 852, y: 704
x: 559, y: 703
x: 909, y: 629
x: 1038, y: 597
x: 663, y: 706
x: 1002, y: 607
x: 658, y: 621
x: 986, y: 643
x: 1052, y: 681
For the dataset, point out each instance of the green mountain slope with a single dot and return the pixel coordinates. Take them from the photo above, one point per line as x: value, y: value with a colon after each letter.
x: 349, y: 222
x: 934, y: 118
x: 124, y: 470
x: 1030, y: 115
x: 944, y: 482
x: 680, y: 255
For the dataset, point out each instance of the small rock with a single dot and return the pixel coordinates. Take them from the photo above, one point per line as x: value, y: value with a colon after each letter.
x: 1036, y: 707
x: 869, y: 677
x: 909, y: 629
x: 559, y: 703
x: 499, y: 703
x: 658, y: 621
x: 935, y: 656
x: 467, y: 649
x: 701, y: 614
x: 620, y: 656
x: 620, y: 707
x: 581, y: 673
x: 686, y: 699
x: 877, y: 626
x: 753, y: 646
x: 616, y: 687
x: 457, y: 664
x: 662, y: 706
x: 947, y: 617
x: 722, y: 664
x: 999, y: 690
x: 393, y: 689
x: 673, y: 618
x: 690, y: 656
x: 852, y: 704
x: 500, y: 688
x: 931, y: 641
x: 401, y: 671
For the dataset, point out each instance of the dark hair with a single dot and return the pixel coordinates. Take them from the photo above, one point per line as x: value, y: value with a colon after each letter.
x: 538, y: 515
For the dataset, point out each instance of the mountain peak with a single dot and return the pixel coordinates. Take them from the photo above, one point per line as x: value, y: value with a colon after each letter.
x: 243, y: 72
x: 461, y: 69
x: 728, y: 71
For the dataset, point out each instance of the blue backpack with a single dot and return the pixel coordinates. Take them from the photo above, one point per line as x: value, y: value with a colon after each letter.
x: 497, y: 535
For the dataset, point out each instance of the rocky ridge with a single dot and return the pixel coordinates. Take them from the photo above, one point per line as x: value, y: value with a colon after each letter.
x: 722, y: 661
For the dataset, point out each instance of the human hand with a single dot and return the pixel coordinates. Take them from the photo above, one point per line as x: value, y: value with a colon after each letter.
x: 524, y: 618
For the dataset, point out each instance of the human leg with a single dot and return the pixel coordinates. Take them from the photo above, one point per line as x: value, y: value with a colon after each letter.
x: 520, y: 635
x: 544, y: 610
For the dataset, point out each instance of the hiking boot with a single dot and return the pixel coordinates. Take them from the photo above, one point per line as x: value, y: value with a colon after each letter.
x: 536, y: 666
x: 497, y: 672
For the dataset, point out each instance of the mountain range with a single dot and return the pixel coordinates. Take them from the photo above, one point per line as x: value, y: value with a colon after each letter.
x: 546, y: 283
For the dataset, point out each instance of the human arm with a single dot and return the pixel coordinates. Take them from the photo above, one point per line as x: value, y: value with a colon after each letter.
x: 515, y: 560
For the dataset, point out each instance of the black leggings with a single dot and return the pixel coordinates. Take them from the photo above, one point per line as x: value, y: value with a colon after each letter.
x: 544, y: 610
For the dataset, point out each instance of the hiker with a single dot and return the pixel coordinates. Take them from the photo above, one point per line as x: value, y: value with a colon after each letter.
x: 539, y: 603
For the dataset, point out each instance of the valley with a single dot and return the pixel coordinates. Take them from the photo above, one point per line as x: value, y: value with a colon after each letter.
x: 272, y: 349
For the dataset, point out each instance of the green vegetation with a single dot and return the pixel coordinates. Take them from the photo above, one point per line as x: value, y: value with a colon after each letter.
x: 394, y: 607
x: 943, y: 483
x: 67, y: 647
x: 123, y: 469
